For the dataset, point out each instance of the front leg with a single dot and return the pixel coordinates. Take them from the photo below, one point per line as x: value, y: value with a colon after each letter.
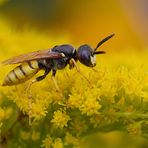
x: 78, y: 70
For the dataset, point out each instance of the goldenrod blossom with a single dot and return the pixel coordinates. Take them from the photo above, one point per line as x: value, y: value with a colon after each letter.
x: 70, y: 139
x: 47, y: 142
x: 90, y: 106
x: 2, y: 114
x: 25, y: 135
x: 60, y: 119
x: 115, y: 98
x: 35, y: 136
x: 58, y: 143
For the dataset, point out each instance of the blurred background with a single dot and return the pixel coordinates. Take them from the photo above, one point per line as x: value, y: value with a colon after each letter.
x: 81, y: 21
x: 84, y: 21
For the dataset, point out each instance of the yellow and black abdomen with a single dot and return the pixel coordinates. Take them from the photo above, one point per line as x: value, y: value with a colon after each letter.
x: 21, y: 73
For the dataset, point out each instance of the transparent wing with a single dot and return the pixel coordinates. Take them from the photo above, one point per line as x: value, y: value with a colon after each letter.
x: 41, y: 54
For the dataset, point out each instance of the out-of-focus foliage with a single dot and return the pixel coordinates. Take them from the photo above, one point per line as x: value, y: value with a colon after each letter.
x: 84, y: 20
x: 2, y: 1
x: 116, y: 99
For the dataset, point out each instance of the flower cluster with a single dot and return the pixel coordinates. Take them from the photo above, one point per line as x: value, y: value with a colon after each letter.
x: 115, y: 99
x: 60, y: 119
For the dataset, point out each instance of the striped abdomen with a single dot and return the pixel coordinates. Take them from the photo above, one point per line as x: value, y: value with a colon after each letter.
x: 21, y: 73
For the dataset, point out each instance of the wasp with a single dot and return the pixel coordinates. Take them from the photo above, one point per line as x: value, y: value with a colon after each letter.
x: 48, y: 60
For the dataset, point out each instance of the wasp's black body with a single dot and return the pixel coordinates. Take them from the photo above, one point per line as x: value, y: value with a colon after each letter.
x: 50, y: 60
x: 68, y: 51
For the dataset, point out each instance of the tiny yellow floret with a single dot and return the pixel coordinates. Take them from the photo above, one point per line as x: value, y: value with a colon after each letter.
x: 60, y: 119
x: 58, y: 143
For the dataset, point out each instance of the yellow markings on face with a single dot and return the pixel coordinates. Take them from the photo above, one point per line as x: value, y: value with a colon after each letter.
x: 93, y: 60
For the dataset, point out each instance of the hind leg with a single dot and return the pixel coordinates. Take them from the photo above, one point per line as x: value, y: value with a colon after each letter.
x: 54, y: 80
x: 37, y: 79
x: 29, y: 92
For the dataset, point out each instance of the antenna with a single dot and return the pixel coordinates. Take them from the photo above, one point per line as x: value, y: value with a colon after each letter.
x: 99, y: 52
x: 104, y: 40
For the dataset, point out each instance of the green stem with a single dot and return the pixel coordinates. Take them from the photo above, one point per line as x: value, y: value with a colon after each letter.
x: 116, y: 125
x: 129, y: 114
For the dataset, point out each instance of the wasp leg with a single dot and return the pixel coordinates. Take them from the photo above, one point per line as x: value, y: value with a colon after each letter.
x: 78, y: 70
x: 29, y: 92
x: 47, y: 70
x: 54, y: 80
x: 56, y: 85
x: 75, y: 64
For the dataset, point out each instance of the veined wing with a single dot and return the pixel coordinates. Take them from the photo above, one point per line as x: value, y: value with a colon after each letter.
x: 37, y: 55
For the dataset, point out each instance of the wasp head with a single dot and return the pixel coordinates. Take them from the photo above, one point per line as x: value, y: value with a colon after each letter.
x: 87, y: 55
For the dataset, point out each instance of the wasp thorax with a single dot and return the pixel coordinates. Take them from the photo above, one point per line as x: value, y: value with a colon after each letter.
x: 86, y: 55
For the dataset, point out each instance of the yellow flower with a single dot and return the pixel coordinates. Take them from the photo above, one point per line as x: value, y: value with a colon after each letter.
x: 90, y: 106
x: 35, y: 136
x: 135, y: 129
x: 47, y: 142
x: 37, y: 111
x: 70, y: 139
x: 25, y: 135
x: 108, y: 88
x: 2, y: 114
x: 8, y: 112
x: 75, y: 100
x: 144, y: 95
x: 118, y: 91
x: 58, y: 143
x: 60, y: 119
x: 96, y: 119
